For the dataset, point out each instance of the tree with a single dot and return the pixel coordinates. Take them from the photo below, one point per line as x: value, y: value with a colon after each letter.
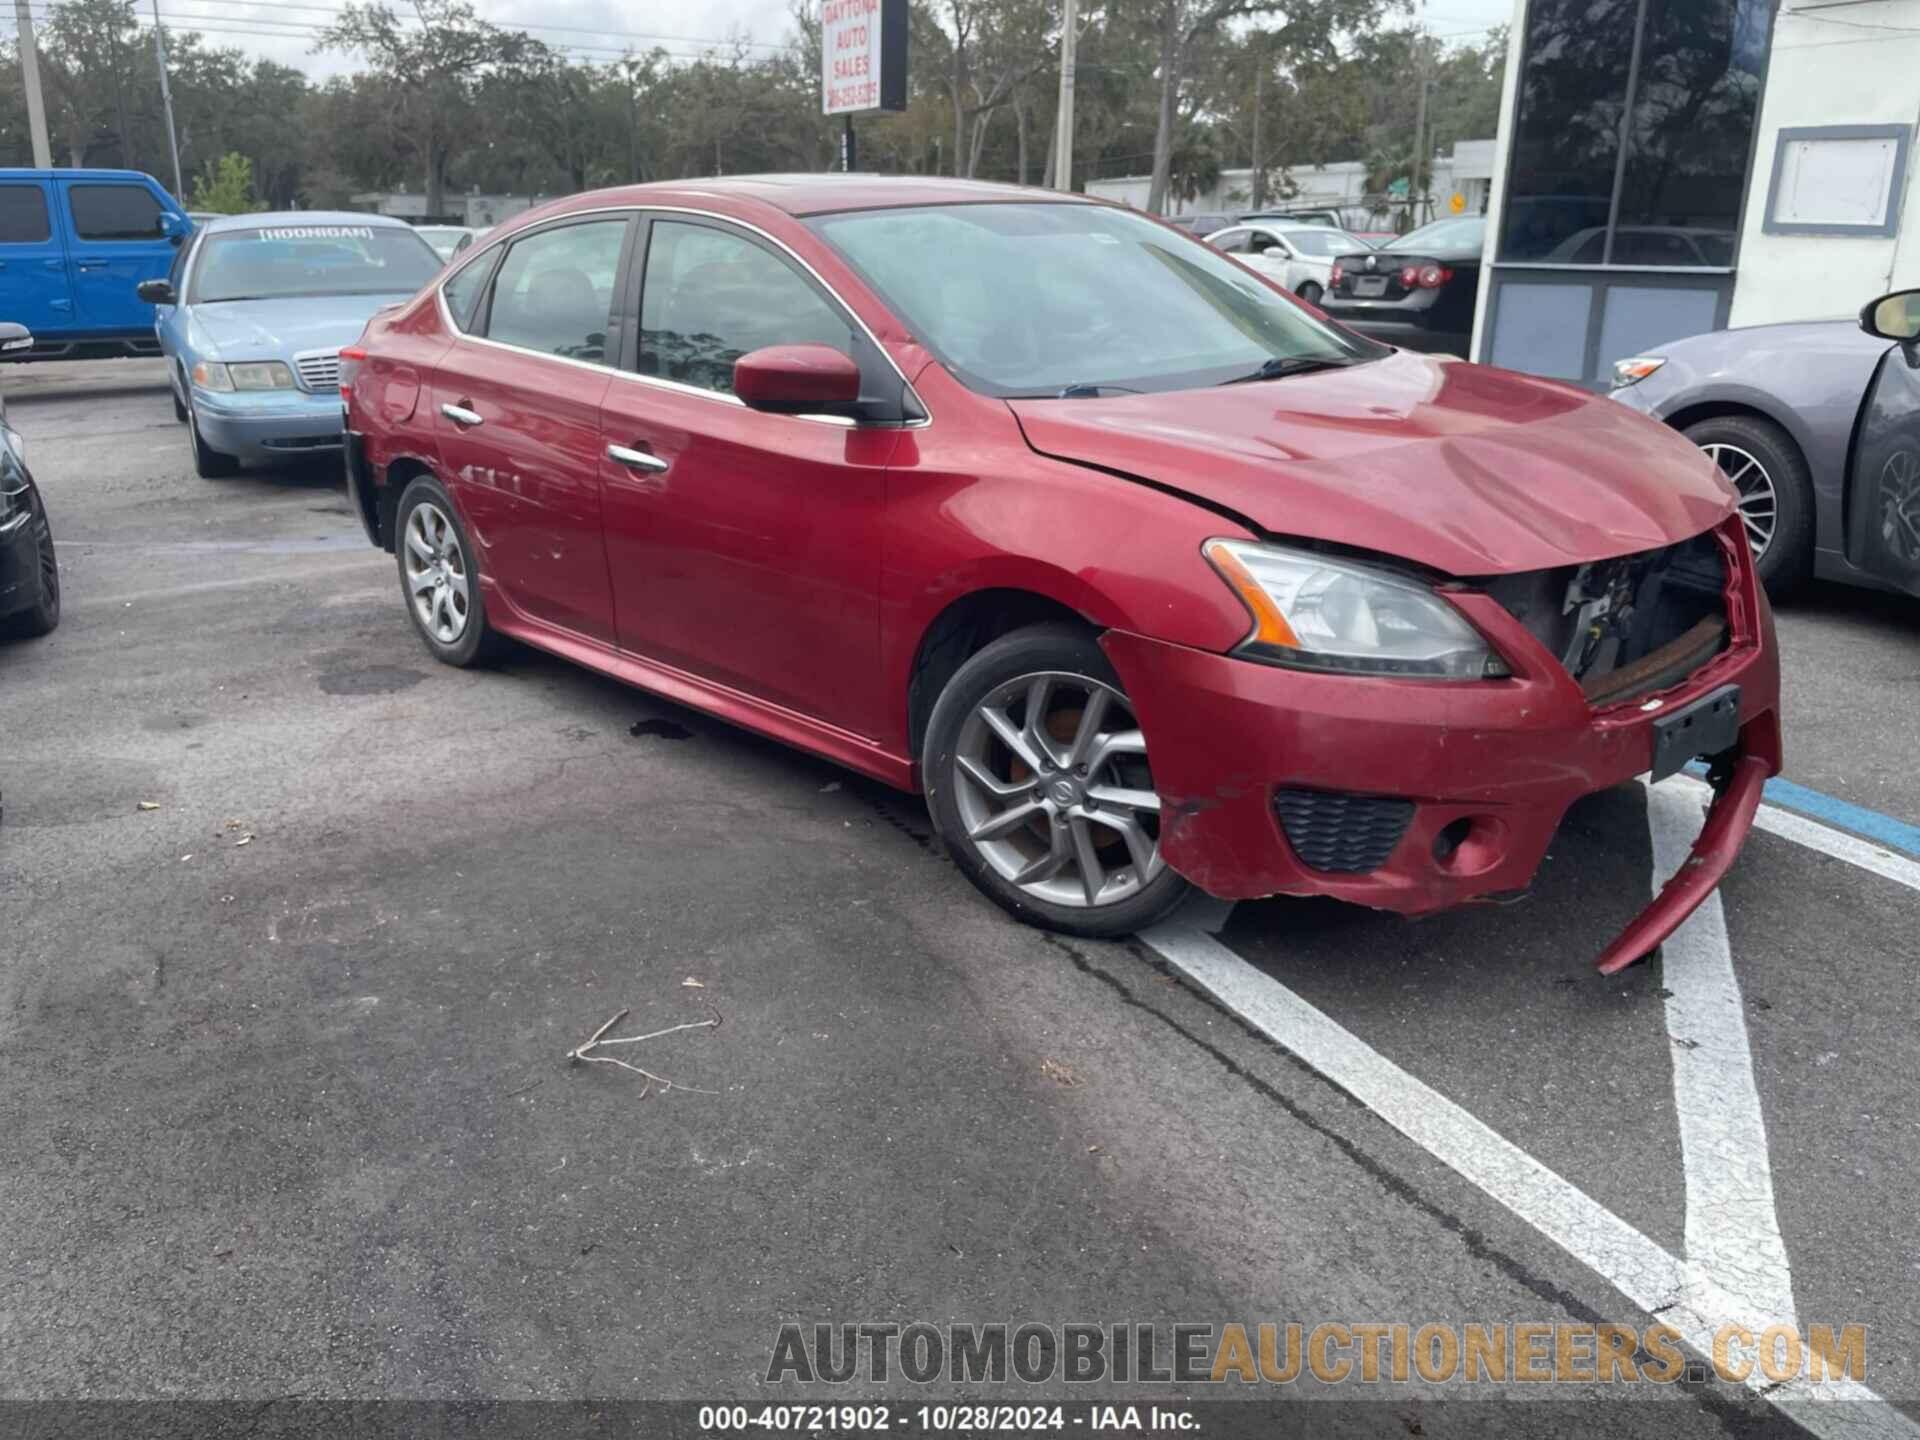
x: 1180, y: 27
x: 226, y: 186
x: 433, y: 72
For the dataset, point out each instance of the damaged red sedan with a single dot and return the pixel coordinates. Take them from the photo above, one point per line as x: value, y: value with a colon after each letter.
x: 1147, y: 575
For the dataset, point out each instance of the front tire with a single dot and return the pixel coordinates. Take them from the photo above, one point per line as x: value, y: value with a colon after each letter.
x: 179, y: 405
x: 1761, y: 461
x: 1037, y: 779
x: 208, y: 463
x: 43, y: 615
x: 438, y: 577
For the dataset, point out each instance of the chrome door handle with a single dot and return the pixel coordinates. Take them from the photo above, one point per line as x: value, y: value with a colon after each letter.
x: 93, y: 265
x: 636, y: 459
x: 461, y: 416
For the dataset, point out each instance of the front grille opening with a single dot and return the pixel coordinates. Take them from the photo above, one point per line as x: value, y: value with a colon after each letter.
x: 1628, y: 626
x: 1342, y: 833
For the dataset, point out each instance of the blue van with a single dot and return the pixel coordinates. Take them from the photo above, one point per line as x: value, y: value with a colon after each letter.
x: 73, y: 245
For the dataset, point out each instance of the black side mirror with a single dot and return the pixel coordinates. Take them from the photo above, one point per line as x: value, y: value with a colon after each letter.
x: 156, y: 292
x: 14, y: 338
x: 1893, y: 317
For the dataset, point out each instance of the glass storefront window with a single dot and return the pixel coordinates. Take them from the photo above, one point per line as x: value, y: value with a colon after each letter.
x: 1689, y: 132
x: 1566, y: 136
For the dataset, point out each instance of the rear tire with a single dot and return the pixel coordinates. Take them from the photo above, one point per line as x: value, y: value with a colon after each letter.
x: 1775, y: 485
x: 43, y: 615
x: 1310, y: 293
x: 208, y: 463
x: 439, y: 579
x: 1050, y: 812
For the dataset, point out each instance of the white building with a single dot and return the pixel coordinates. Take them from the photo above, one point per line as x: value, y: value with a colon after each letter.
x: 1729, y: 162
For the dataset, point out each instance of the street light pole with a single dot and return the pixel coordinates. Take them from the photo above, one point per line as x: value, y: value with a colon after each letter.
x: 1416, y: 190
x: 1063, y: 123
x: 30, y: 78
x: 166, y: 102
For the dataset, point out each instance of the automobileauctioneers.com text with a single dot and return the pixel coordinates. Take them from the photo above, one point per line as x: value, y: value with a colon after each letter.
x: 1332, y: 1353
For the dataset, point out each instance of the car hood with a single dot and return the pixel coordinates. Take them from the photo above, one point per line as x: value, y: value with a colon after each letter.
x: 1464, y: 468
x: 276, y: 329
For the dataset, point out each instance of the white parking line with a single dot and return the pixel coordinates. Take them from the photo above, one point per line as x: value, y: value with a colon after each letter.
x: 1683, y: 1296
x: 1732, y: 1231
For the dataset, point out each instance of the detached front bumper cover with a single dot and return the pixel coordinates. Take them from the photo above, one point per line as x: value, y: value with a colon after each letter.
x: 1712, y: 856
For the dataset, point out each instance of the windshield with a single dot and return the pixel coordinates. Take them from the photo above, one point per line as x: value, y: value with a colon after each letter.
x: 282, y: 262
x: 1321, y: 241
x: 1443, y: 235
x: 1033, y: 299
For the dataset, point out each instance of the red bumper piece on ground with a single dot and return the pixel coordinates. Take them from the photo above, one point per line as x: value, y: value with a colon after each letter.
x: 1713, y: 855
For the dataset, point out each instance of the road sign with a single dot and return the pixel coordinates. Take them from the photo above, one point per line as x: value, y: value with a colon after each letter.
x: 863, y: 56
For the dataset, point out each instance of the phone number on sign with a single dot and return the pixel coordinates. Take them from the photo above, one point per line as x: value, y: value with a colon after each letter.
x: 721, y: 1419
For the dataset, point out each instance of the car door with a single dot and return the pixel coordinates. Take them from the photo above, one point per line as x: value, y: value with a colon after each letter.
x: 116, y: 237
x: 517, y: 400
x: 1883, y: 498
x: 745, y: 547
x: 34, y: 291
x: 1273, y: 255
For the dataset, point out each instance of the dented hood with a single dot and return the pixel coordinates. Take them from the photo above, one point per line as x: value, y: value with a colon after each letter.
x: 1463, y: 468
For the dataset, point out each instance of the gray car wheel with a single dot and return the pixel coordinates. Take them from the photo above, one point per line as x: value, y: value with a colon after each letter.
x: 1774, y: 488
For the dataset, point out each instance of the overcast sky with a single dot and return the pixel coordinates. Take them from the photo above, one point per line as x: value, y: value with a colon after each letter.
x: 592, y: 29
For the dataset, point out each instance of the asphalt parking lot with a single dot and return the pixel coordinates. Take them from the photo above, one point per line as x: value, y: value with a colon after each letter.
x: 283, y: 1060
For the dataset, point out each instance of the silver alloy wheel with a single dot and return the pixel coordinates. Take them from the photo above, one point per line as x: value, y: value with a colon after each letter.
x: 1759, y: 505
x: 436, y: 573
x: 1900, y: 507
x: 1050, y: 778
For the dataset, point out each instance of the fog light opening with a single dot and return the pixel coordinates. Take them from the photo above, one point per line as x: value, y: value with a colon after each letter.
x: 1470, y: 845
x: 1451, y: 837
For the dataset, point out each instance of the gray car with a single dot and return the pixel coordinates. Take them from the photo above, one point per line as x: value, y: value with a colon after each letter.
x: 1817, y: 425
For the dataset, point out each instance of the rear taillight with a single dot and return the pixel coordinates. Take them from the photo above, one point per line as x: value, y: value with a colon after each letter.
x: 1409, y: 276
x: 350, y: 358
x: 1432, y: 277
x: 1333, y: 276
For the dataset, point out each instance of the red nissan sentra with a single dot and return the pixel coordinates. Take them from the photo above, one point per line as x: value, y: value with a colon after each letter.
x: 1145, y: 573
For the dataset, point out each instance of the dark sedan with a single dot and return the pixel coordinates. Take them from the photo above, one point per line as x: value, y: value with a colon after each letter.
x: 1417, y: 291
x: 29, y: 573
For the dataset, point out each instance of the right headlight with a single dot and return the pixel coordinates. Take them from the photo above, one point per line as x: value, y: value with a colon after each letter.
x: 1318, y: 612
x: 243, y: 375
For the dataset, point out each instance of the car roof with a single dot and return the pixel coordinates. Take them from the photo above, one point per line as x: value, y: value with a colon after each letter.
x: 278, y: 218
x: 23, y: 173
x: 800, y: 195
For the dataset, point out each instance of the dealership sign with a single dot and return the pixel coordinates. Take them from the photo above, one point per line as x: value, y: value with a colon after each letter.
x: 863, y: 56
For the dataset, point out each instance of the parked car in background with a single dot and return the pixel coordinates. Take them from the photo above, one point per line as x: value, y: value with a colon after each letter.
x: 1299, y: 256
x: 1816, y: 425
x: 1202, y: 225
x: 1683, y: 245
x: 1417, y: 291
x: 447, y: 240
x: 252, y: 319
x: 201, y: 217
x: 29, y: 569
x: 74, y: 244
x: 1192, y: 588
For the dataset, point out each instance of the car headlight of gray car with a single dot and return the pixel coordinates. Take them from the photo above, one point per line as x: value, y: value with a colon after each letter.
x: 243, y: 375
x: 1634, y: 369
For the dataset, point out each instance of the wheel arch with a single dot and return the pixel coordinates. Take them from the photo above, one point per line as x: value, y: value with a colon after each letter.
x: 400, y: 471
x: 964, y: 627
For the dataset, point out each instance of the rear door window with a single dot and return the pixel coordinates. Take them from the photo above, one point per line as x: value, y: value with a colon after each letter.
x: 23, y: 215
x: 115, y: 212
x: 554, y: 292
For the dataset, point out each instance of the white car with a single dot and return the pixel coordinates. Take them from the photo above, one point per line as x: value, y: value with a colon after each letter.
x: 1298, y: 256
